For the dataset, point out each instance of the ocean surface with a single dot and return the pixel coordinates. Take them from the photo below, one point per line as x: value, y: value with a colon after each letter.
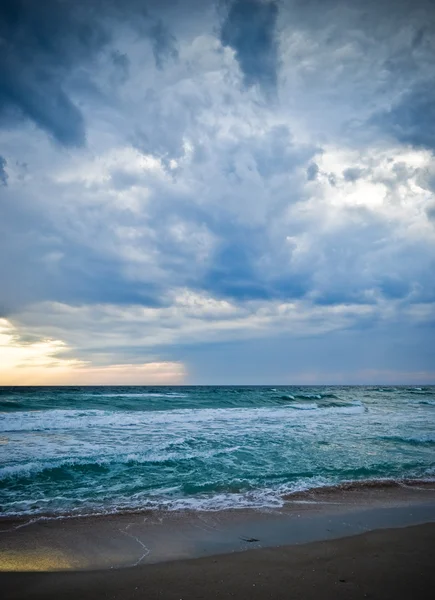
x: 84, y: 450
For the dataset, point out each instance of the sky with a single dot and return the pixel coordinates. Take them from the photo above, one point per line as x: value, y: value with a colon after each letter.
x: 217, y: 192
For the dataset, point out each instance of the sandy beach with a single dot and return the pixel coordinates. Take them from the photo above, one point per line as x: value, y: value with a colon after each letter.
x: 391, y: 563
x: 359, y: 542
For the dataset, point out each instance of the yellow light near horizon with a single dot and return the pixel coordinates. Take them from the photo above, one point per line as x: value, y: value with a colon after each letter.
x: 41, y: 363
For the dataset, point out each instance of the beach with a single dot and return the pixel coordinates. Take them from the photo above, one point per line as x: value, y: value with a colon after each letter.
x: 361, y: 542
x: 191, y: 492
x: 391, y: 563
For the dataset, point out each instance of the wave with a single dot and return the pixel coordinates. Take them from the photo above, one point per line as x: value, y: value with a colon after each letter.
x: 405, y: 390
x: 361, y: 484
x: 137, y: 399
x: 63, y: 419
x: 100, y: 463
x: 11, y: 404
x: 146, y: 395
x: 420, y: 391
x: 310, y: 489
x: 322, y: 402
x: 417, y: 440
x: 309, y: 396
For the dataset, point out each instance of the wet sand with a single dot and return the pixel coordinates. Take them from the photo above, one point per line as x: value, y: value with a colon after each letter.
x: 352, y: 542
x: 385, y: 564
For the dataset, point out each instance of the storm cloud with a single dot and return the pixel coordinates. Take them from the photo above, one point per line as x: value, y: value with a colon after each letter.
x: 200, y: 181
x: 250, y: 29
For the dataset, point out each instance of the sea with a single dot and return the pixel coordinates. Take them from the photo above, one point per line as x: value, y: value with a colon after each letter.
x: 104, y: 450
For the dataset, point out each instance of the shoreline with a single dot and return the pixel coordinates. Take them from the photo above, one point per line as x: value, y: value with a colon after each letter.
x: 321, y: 492
x: 119, y: 541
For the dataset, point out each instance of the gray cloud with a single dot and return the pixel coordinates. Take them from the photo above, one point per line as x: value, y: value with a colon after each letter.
x: 43, y: 43
x: 164, y: 44
x: 40, y: 44
x: 431, y: 212
x: 412, y: 119
x: 122, y: 64
x: 3, y: 173
x: 353, y: 174
x: 312, y: 171
x: 192, y: 186
x: 249, y: 28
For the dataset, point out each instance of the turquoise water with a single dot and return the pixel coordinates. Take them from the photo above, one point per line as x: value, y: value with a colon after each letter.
x: 108, y: 449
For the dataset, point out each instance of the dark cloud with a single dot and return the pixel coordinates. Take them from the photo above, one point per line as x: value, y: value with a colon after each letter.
x: 430, y: 211
x: 312, y: 171
x: 120, y: 60
x: 41, y: 43
x: 412, y: 119
x: 337, y: 357
x: 353, y: 174
x: 3, y: 173
x: 121, y: 63
x: 46, y: 105
x: 164, y: 44
x: 426, y: 179
x: 249, y: 28
x: 234, y: 271
x: 393, y: 287
x: 332, y: 179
